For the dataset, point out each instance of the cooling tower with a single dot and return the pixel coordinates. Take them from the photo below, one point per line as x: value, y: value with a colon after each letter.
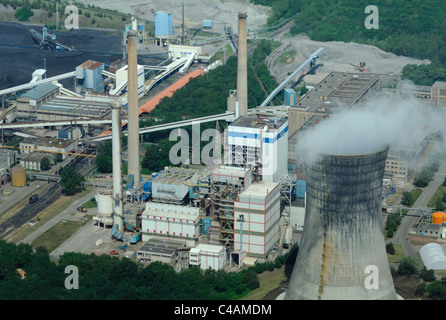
x: 342, y: 246
x: 242, y: 59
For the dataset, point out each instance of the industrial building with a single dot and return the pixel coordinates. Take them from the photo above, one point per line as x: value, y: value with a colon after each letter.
x: 162, y: 250
x: 207, y: 256
x: 335, y: 92
x: 89, y: 75
x: 433, y: 256
x: 399, y: 165
x: 438, y: 93
x: 29, y: 102
x: 179, y: 222
x: 259, y: 141
x: 33, y: 161
x: 256, y: 218
x: 63, y: 146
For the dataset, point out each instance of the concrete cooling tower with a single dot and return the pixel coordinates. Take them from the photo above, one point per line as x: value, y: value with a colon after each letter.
x: 342, y: 245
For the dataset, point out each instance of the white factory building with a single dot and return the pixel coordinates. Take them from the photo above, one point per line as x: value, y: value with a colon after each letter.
x: 256, y: 219
x: 252, y: 140
x: 173, y: 221
x: 207, y: 256
x: 122, y: 78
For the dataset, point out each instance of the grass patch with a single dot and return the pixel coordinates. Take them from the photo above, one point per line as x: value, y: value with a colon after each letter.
x: 90, y: 203
x: 399, y: 253
x: 269, y: 280
x: 438, y: 194
x: 58, y: 234
x: 220, y: 54
x: 56, y: 208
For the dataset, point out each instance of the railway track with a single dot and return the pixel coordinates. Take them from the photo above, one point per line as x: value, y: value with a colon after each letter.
x: 46, y: 198
x: 30, y: 211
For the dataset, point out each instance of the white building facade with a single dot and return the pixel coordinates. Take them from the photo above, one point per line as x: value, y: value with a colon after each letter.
x: 256, y: 219
x: 173, y: 221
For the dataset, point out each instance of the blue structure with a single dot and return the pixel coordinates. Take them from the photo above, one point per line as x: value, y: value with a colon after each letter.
x: 207, y: 24
x: 301, y: 189
x: 289, y: 97
x: 163, y: 24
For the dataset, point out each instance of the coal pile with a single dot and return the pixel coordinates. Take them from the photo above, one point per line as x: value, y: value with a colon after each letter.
x: 20, y: 54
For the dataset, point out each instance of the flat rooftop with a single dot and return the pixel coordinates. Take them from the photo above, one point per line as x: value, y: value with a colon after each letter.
x: 164, y: 247
x: 78, y: 107
x: 273, y: 123
x: 337, y: 90
x: 260, y: 189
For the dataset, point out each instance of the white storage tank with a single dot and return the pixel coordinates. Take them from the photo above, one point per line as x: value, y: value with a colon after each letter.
x: 105, y: 204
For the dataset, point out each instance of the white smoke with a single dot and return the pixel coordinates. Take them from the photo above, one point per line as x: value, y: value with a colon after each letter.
x: 393, y: 119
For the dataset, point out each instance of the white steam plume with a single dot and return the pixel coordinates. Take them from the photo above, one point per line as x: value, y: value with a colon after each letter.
x: 390, y: 119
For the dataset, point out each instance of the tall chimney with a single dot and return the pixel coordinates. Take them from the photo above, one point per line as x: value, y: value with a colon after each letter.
x: 118, y: 217
x: 242, y: 72
x: 132, y: 111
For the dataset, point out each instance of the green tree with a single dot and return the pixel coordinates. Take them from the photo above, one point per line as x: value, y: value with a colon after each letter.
x: 45, y: 164
x: 104, y: 157
x: 407, y: 266
x: 407, y: 199
x: 23, y: 14
x: 71, y: 181
x: 421, y: 289
x: 427, y: 275
x: 423, y: 178
x: 390, y: 249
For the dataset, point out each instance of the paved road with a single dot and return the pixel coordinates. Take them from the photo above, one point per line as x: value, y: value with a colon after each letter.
x: 64, y: 215
x: 411, y: 218
x: 31, y: 210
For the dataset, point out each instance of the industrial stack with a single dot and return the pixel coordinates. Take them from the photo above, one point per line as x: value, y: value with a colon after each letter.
x: 134, y: 166
x: 342, y: 241
x: 242, y: 65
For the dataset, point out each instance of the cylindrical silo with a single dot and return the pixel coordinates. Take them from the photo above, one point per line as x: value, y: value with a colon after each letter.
x: 18, y: 176
x: 163, y: 24
x: 342, y: 255
x: 105, y: 204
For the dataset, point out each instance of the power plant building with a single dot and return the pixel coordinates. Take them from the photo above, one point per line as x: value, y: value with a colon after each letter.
x: 207, y: 256
x: 256, y: 219
x: 251, y: 140
x: 122, y: 79
x: 89, y: 75
x: 173, y: 221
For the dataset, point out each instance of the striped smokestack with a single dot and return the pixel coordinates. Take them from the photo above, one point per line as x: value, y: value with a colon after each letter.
x: 242, y: 73
x: 132, y: 111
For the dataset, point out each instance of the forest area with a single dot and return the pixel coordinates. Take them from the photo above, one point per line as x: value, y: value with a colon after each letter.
x: 103, y: 277
x: 409, y: 28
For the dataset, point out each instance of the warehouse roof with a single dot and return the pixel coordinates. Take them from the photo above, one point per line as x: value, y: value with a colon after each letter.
x: 164, y: 247
x: 40, y: 91
x: 433, y: 256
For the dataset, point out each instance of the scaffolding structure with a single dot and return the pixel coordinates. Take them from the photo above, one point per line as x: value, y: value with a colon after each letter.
x: 226, y: 185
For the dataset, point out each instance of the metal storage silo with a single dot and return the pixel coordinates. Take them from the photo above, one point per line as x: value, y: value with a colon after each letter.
x: 18, y: 176
x: 163, y: 24
x: 342, y: 241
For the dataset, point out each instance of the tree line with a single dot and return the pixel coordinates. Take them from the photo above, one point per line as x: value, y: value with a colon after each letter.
x: 103, y: 277
x: 410, y: 28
